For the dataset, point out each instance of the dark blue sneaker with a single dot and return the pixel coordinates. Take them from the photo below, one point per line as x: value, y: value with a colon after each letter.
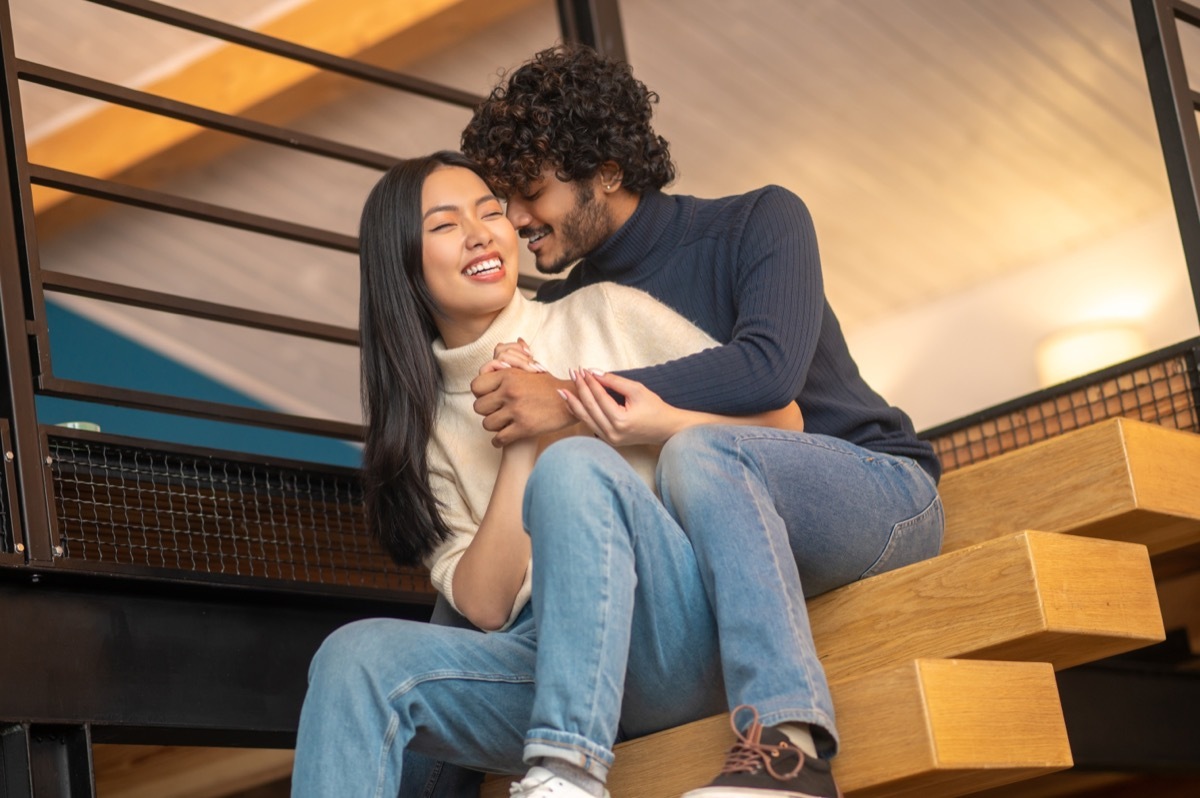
x: 763, y: 763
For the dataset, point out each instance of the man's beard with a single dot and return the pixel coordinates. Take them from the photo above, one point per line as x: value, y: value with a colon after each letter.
x: 582, y: 230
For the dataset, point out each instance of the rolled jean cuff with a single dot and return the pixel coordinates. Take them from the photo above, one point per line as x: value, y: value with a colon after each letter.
x: 578, y: 751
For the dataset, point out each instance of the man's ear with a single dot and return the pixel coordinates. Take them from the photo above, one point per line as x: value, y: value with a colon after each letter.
x: 610, y: 175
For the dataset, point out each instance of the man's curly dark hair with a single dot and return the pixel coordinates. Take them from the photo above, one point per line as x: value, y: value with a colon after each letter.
x: 573, y: 109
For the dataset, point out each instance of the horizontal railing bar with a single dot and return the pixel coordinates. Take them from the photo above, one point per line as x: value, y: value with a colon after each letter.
x: 270, y: 44
x: 197, y: 408
x: 214, y: 120
x: 386, y: 599
x: 193, y: 209
x: 530, y: 282
x: 154, y: 447
x: 1188, y: 12
x: 196, y: 308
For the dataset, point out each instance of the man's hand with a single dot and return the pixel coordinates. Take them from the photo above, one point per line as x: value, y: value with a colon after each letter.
x: 518, y: 404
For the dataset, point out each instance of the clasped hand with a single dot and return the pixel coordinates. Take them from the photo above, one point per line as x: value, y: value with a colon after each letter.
x: 519, y: 398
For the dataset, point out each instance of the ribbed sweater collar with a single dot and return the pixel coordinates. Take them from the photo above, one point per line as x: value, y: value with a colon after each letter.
x: 629, y: 247
x: 521, y: 318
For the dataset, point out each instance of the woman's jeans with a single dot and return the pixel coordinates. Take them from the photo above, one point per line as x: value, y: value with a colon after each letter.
x: 645, y: 614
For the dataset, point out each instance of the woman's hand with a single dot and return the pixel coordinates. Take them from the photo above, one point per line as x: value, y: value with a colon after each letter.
x: 507, y: 356
x: 644, y: 418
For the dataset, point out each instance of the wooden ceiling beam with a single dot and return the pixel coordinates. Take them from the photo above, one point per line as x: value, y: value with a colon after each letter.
x: 144, y: 149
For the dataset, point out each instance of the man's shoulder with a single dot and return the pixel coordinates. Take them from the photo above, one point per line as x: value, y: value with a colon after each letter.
x: 737, y: 208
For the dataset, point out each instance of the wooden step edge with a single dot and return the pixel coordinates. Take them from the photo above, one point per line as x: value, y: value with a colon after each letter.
x: 927, y: 727
x: 1030, y: 596
x: 1120, y: 479
x: 153, y: 771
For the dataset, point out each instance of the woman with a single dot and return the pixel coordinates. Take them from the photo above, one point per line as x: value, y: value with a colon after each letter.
x: 623, y: 635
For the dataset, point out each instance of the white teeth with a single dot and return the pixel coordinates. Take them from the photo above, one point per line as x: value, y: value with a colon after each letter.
x: 483, y: 266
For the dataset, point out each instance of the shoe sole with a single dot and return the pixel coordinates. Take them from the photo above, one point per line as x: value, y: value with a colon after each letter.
x: 748, y: 792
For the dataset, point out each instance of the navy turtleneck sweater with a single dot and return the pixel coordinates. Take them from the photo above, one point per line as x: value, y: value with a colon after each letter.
x: 745, y: 269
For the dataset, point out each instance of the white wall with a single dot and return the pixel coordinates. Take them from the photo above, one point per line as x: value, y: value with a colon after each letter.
x: 958, y: 355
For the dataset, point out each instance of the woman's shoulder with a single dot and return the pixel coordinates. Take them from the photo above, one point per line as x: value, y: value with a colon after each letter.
x: 620, y: 313
x: 609, y: 295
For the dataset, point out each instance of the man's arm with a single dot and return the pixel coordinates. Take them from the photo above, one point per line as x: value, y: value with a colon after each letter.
x: 778, y: 297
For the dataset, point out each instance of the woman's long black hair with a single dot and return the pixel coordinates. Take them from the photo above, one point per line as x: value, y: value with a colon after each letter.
x: 400, y: 379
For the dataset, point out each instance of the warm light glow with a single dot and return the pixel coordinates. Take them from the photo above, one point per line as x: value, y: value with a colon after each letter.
x: 1081, y: 350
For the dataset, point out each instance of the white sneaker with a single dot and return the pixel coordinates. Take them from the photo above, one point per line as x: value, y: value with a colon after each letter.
x: 541, y: 783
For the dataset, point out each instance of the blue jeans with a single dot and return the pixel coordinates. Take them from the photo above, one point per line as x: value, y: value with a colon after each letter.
x: 629, y: 593
x: 775, y: 517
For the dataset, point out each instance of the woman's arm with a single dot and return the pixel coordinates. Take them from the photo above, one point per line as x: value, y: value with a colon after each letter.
x: 492, y: 568
x: 645, y: 417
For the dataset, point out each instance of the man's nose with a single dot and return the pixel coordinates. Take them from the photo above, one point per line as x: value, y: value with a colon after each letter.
x: 518, y: 215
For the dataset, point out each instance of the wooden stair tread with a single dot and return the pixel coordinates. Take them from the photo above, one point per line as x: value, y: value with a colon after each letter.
x: 1027, y: 596
x: 1035, y: 596
x: 1119, y: 479
x: 156, y: 771
x: 951, y: 726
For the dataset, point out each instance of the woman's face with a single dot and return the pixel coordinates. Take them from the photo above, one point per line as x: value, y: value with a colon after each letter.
x: 469, y: 253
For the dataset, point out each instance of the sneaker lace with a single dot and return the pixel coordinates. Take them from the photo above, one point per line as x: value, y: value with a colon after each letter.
x: 523, y: 786
x: 536, y: 778
x: 750, y: 753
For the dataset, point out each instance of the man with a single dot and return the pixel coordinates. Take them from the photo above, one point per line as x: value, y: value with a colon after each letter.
x: 773, y: 516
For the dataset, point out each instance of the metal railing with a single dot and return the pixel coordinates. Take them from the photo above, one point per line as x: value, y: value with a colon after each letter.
x: 88, y: 502
x: 1161, y: 388
x: 1175, y: 107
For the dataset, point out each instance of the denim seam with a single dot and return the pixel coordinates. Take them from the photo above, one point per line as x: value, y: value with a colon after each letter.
x: 438, y: 676
x: 746, y: 468
x: 898, y: 529
x: 606, y: 601
x: 389, y: 739
x: 801, y: 438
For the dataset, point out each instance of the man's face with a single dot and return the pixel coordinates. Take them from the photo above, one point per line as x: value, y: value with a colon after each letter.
x: 562, y: 220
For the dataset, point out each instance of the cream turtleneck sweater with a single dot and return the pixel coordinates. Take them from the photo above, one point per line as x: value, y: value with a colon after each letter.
x: 605, y: 326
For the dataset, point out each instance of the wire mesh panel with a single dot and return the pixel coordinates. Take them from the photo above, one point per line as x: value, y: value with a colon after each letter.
x: 1162, y: 388
x: 213, y: 518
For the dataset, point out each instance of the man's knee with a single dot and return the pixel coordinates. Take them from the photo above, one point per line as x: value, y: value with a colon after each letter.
x: 687, y: 457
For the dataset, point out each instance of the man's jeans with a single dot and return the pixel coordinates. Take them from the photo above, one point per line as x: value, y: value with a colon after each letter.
x: 629, y: 593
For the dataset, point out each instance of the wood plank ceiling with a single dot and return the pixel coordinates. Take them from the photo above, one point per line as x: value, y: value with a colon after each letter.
x: 940, y: 144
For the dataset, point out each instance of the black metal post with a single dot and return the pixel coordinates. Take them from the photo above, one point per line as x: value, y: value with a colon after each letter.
x: 596, y: 23
x: 1175, y: 112
x: 30, y: 514
x: 46, y: 762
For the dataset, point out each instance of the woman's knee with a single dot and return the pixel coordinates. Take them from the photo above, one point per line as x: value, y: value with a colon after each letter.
x: 567, y: 464
x: 573, y: 490
x: 371, y: 654
x: 345, y: 652
x: 570, y: 472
